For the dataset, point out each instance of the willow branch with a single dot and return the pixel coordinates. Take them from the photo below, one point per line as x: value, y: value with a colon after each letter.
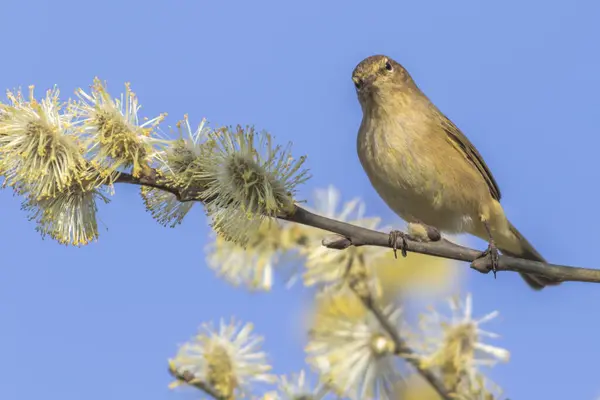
x: 352, y: 235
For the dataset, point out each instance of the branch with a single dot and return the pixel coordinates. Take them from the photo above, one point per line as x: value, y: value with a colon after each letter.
x: 352, y: 235
x: 150, y: 181
x: 358, y: 236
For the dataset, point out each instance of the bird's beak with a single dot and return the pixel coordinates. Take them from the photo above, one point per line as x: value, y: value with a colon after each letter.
x: 362, y: 84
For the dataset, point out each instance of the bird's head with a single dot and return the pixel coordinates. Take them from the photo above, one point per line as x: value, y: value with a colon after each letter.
x: 376, y: 76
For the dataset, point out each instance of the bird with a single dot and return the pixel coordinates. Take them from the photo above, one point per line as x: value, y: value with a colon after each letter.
x: 426, y: 170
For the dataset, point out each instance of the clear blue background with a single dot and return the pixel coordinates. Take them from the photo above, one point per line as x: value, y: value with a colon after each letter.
x: 520, y: 78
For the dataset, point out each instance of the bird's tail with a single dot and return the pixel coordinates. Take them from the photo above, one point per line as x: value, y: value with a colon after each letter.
x: 527, y: 252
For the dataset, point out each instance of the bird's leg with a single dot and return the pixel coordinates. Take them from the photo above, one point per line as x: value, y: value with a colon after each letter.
x: 492, y: 250
x: 395, y: 236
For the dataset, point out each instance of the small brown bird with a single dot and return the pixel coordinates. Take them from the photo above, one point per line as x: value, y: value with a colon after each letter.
x: 426, y: 169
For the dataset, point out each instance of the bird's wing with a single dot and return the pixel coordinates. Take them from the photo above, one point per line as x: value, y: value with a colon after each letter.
x: 464, y: 146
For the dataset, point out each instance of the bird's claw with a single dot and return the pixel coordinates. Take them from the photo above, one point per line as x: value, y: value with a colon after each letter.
x: 492, y: 251
x: 393, y: 241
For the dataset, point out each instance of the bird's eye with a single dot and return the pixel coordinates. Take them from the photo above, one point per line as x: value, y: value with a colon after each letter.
x: 358, y: 83
x: 388, y: 66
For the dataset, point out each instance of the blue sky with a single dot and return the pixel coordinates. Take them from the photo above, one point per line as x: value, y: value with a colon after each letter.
x: 519, y: 78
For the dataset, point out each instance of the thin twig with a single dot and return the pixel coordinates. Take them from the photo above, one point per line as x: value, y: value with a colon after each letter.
x: 357, y: 278
x: 190, y: 379
x: 403, y: 350
x: 359, y: 236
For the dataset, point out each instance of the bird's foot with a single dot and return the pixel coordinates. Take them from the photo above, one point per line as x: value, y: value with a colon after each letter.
x: 395, y: 237
x: 492, y: 251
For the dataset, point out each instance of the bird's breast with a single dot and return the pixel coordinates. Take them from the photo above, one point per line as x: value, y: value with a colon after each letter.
x: 394, y: 158
x: 405, y: 162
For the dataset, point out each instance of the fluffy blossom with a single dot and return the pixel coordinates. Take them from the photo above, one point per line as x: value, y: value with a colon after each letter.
x: 116, y: 139
x: 326, y: 266
x: 298, y: 387
x: 227, y: 359
x: 247, y: 179
x: 452, y: 344
x: 176, y: 163
x: 70, y: 216
x: 254, y: 265
x: 40, y: 151
x: 355, y: 355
